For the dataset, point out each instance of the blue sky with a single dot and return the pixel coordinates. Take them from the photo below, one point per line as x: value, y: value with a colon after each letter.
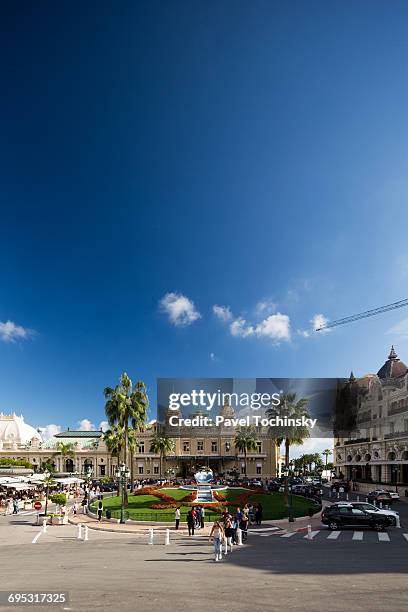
x: 159, y: 159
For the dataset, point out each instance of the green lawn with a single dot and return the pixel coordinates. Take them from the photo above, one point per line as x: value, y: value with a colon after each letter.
x: 139, y: 505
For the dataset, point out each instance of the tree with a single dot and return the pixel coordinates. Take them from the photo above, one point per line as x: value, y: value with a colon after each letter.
x: 126, y: 406
x: 66, y: 450
x: 133, y: 443
x: 292, y: 408
x: 244, y: 441
x: 326, y: 453
x: 113, y: 439
x: 161, y: 445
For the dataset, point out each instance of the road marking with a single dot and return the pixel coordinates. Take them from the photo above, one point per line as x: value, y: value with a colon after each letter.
x: 265, y: 529
x: 358, y: 535
x: 311, y: 535
x: 289, y: 534
x: 383, y: 537
x: 333, y: 535
x: 36, y: 537
x: 405, y: 536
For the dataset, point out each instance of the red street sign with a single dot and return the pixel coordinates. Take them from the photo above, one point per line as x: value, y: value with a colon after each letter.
x: 37, y: 505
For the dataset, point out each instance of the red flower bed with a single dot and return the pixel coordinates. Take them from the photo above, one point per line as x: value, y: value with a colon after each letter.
x: 219, y: 496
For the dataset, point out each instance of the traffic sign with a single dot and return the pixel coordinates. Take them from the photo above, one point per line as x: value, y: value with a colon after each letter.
x: 37, y: 505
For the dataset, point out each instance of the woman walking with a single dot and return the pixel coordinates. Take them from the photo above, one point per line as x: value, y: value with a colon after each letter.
x: 190, y: 523
x: 177, y: 517
x: 217, y: 533
x: 100, y: 510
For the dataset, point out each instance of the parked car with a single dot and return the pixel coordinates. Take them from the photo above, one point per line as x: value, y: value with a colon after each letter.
x: 394, y: 494
x: 337, y: 516
x: 380, y: 496
x: 391, y: 515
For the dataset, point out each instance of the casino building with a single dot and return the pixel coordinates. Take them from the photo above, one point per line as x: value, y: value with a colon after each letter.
x: 377, y: 450
x: 193, y: 447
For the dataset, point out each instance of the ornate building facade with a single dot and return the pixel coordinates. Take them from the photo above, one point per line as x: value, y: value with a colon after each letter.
x: 377, y: 449
x: 193, y: 447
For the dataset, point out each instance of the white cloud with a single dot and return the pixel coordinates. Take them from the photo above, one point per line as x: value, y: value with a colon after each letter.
x: 10, y: 332
x: 49, y: 431
x: 212, y: 356
x: 319, y: 320
x: 265, y: 307
x: 103, y: 425
x: 400, y: 330
x: 86, y: 425
x: 275, y: 326
x: 240, y: 328
x: 179, y: 308
x: 222, y: 312
x: 303, y: 332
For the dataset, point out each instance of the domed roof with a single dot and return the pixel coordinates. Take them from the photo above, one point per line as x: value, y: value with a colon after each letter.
x: 13, y: 430
x: 393, y: 367
x: 227, y: 411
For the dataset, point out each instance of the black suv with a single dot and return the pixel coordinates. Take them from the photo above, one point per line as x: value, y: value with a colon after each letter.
x: 347, y: 516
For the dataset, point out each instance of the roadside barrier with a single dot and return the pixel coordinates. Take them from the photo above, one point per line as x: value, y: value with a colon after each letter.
x: 239, y: 536
x: 358, y: 498
x: 167, y: 537
x: 151, y: 536
x: 398, y: 522
x: 86, y: 538
x: 309, y: 532
x: 44, y: 527
x: 79, y: 536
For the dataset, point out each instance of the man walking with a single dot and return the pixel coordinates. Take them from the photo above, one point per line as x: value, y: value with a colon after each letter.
x: 177, y: 516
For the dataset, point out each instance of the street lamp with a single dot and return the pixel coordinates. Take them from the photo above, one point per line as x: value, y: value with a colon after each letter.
x: 122, y: 473
x: 47, y: 484
x: 395, y: 472
x: 286, y: 471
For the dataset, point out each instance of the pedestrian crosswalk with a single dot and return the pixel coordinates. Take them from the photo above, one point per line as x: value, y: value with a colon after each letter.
x: 324, y: 534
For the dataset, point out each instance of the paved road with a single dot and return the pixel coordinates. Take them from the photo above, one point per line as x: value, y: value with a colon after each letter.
x: 271, y: 572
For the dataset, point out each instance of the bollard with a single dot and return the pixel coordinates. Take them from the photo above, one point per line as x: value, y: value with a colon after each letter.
x: 79, y: 536
x: 397, y: 522
x: 167, y: 537
x: 338, y: 495
x: 381, y: 505
x: 309, y: 532
x: 366, y: 500
x: 151, y: 536
x: 239, y: 536
x: 86, y: 533
x: 225, y: 546
x: 347, y: 497
x: 44, y: 526
x: 358, y: 498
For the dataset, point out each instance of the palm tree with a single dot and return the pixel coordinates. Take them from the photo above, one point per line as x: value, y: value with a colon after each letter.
x: 161, y: 445
x: 126, y: 406
x: 244, y: 441
x: 66, y: 450
x: 326, y: 453
x: 292, y: 408
x: 133, y: 443
x: 113, y: 439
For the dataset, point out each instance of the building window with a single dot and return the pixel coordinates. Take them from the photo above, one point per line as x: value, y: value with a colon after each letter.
x: 227, y: 447
x: 200, y: 445
x: 391, y: 428
x: 405, y: 424
x: 242, y: 469
x: 186, y: 446
x: 155, y: 469
x: 102, y: 470
x: 259, y: 447
x: 259, y: 469
x: 141, y: 448
x: 140, y: 469
x: 214, y: 446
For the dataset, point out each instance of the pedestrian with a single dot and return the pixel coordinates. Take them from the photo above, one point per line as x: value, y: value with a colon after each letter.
x: 16, y: 505
x: 75, y: 508
x: 229, y: 532
x: 244, y: 527
x: 202, y: 516
x: 100, y: 510
x: 177, y: 516
x: 259, y: 514
x: 217, y: 533
x: 190, y: 522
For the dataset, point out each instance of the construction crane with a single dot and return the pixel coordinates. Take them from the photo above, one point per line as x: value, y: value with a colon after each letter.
x: 364, y: 315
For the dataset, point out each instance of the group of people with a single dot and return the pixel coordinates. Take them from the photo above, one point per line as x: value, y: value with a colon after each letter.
x: 226, y: 531
x: 10, y: 505
x: 195, y: 519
